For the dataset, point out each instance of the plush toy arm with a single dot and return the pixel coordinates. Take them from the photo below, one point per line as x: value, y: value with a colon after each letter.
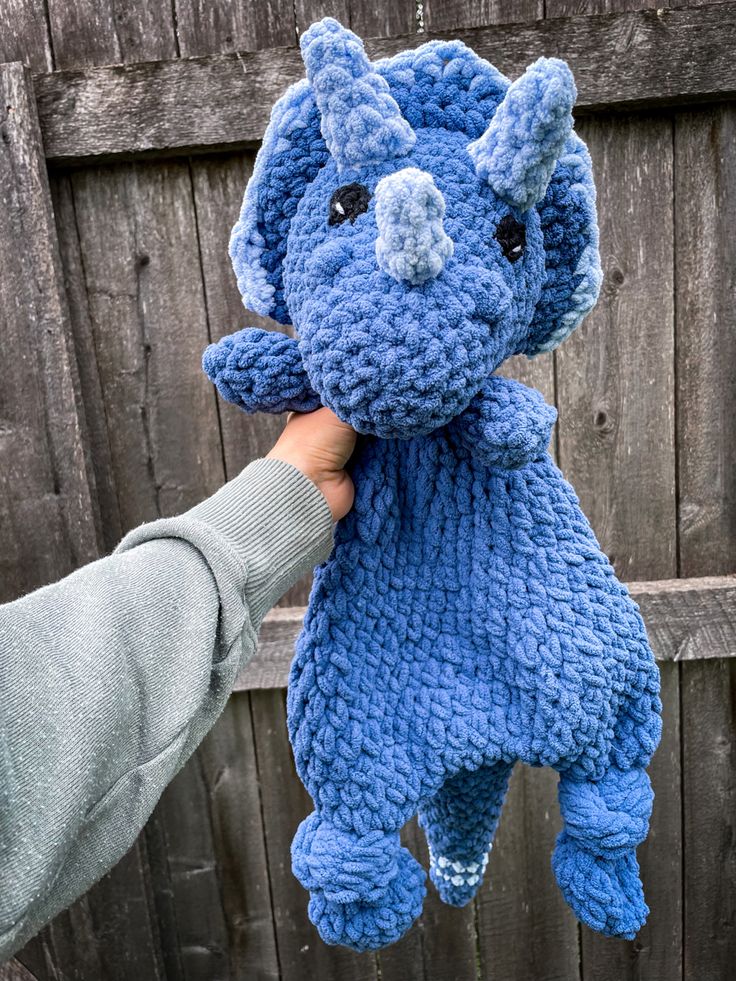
x: 260, y: 371
x: 506, y: 425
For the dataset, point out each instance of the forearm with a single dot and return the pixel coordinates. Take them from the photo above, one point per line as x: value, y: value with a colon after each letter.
x: 111, y: 678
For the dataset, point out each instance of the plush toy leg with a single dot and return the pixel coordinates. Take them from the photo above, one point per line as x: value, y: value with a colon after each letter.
x: 366, y: 890
x: 459, y: 822
x: 595, y: 856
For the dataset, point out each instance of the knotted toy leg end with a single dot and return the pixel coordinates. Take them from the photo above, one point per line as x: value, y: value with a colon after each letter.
x: 604, y: 892
x: 366, y: 890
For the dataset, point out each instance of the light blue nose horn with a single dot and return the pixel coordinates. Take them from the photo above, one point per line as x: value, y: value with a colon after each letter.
x: 411, y: 244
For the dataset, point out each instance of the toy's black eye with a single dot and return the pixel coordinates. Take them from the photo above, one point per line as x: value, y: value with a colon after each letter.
x: 511, y: 236
x: 348, y: 202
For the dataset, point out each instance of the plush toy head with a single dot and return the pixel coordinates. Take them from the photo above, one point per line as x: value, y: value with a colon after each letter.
x: 419, y: 221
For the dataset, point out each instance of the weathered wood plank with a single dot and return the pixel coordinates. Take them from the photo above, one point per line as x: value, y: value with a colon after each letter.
x: 449, y: 15
x: 381, y: 18
x: 24, y: 35
x: 149, y: 325
x: 216, y: 26
x: 616, y: 374
x: 47, y: 506
x: 705, y: 205
x: 186, y: 886
x: 572, y: 8
x: 689, y: 619
x: 649, y: 57
x: 616, y: 438
x: 102, y: 32
x: 705, y: 260
x: 686, y: 619
x: 302, y: 954
x: 75, y: 286
x: 227, y: 759
x: 709, y: 798
x: 525, y: 928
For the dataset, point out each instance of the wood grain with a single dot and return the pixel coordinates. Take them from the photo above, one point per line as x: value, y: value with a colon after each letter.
x: 705, y: 259
x: 75, y: 286
x: 47, y: 504
x: 209, y: 26
x: 524, y: 926
x: 448, y: 15
x: 103, y: 32
x: 379, y: 18
x: 149, y: 326
x: 616, y: 373
x: 302, y: 954
x: 227, y: 760
x: 709, y: 798
x: 24, y: 35
x: 705, y: 206
x: 616, y: 441
x: 650, y: 57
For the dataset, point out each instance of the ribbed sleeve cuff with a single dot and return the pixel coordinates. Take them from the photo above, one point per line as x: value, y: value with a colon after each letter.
x: 278, y: 523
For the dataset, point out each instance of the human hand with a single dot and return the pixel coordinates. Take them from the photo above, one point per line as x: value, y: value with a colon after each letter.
x: 319, y: 444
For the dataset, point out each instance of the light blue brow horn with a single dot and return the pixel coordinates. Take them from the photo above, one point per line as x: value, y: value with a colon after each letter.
x: 361, y: 122
x: 518, y: 152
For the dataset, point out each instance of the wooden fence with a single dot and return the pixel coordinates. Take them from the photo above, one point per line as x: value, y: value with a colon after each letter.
x: 118, y: 187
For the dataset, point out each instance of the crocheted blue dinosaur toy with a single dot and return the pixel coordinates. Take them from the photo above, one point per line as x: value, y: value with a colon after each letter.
x: 419, y: 220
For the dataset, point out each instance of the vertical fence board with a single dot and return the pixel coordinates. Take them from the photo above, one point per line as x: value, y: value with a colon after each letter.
x: 102, y: 32
x: 616, y: 444
x: 385, y: 18
x: 148, y: 322
x: 709, y: 797
x: 228, y: 761
x: 302, y: 954
x: 705, y: 203
x: 24, y: 35
x: 525, y: 928
x: 448, y: 15
x: 47, y: 510
x: 615, y: 374
x: 215, y: 26
x: 186, y: 888
x: 86, y: 356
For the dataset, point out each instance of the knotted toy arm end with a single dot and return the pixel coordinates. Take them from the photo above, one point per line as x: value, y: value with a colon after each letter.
x: 260, y: 371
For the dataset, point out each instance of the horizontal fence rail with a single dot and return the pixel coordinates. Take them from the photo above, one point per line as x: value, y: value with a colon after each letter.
x: 686, y: 620
x: 632, y: 60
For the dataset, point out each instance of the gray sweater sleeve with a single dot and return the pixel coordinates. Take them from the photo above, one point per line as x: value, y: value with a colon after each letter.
x: 110, y: 678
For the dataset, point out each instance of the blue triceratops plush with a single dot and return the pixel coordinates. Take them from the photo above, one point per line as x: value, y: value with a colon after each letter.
x: 419, y: 220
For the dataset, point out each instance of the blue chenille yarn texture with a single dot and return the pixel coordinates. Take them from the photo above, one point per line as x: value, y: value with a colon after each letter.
x: 418, y: 221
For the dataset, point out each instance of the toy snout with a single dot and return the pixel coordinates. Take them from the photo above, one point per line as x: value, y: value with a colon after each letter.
x: 412, y: 245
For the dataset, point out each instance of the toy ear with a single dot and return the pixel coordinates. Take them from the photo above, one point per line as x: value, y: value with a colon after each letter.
x: 291, y: 154
x: 572, y: 260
